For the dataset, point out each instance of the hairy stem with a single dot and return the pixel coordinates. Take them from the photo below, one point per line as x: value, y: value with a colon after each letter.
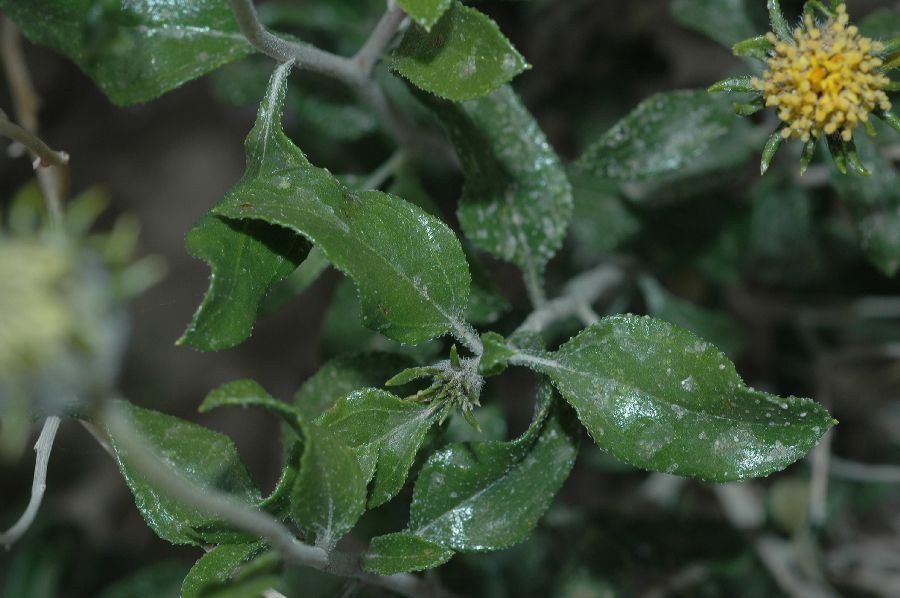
x: 42, y: 448
x: 180, y: 488
x: 305, y: 56
x: 371, y: 51
x: 576, y: 301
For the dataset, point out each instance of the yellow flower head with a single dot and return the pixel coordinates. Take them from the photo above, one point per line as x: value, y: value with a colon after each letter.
x: 824, y: 80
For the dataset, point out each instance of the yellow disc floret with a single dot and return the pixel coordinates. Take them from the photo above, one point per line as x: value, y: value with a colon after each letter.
x: 824, y: 80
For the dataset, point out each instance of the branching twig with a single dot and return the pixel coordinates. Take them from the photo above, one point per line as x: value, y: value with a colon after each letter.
x: 53, y: 179
x: 579, y: 295
x: 244, y: 517
x: 371, y: 51
x: 42, y: 448
x: 354, y: 72
x: 305, y: 56
x: 44, y: 155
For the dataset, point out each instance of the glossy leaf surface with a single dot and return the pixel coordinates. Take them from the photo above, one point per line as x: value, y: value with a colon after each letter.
x: 409, y: 267
x: 464, y: 56
x: 660, y: 398
x: 517, y: 201
x: 206, y: 457
x: 489, y: 495
x: 134, y: 51
x: 217, y: 567
x: 245, y: 260
x: 425, y: 12
x: 342, y: 375
x: 662, y: 136
x: 403, y: 552
x: 329, y: 493
x: 385, y: 434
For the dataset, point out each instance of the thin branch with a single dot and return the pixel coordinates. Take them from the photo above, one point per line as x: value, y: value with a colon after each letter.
x: 26, y: 101
x: 42, y: 448
x: 347, y: 70
x: 380, y: 175
x: 864, y: 472
x: 583, y: 291
x: 180, y: 488
x: 467, y: 335
x: 44, y: 155
x: 371, y: 51
x: 305, y: 56
x: 534, y: 286
x: 53, y: 180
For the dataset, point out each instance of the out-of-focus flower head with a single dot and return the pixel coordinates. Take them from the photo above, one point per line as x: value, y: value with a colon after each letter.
x: 63, y: 322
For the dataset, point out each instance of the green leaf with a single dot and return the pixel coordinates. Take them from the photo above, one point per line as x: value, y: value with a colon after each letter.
x: 496, y: 354
x: 342, y: 375
x: 489, y: 495
x: 601, y: 221
x: 329, y: 493
x: 411, y: 272
x: 464, y: 56
x: 279, y: 501
x: 715, y: 326
x: 248, y: 393
x: 425, y: 12
x: 401, y: 553
x: 205, y: 457
x: 725, y: 21
x: 874, y: 204
x: 217, y: 567
x: 343, y: 332
x: 665, y: 135
x: 660, y: 398
x: 486, y: 303
x: 882, y: 24
x: 134, y: 51
x: 517, y: 201
x: 245, y: 259
x: 385, y: 434
x: 756, y: 47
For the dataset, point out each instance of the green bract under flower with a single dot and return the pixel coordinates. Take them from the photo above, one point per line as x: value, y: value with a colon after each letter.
x: 823, y: 78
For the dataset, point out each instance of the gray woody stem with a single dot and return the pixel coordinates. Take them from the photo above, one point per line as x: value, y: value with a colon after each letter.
x: 381, y: 36
x: 354, y: 72
x: 576, y: 301
x: 178, y: 487
x: 43, y: 448
x: 44, y: 155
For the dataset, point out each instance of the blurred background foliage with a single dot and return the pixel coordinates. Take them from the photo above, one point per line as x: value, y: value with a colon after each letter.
x: 792, y: 277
